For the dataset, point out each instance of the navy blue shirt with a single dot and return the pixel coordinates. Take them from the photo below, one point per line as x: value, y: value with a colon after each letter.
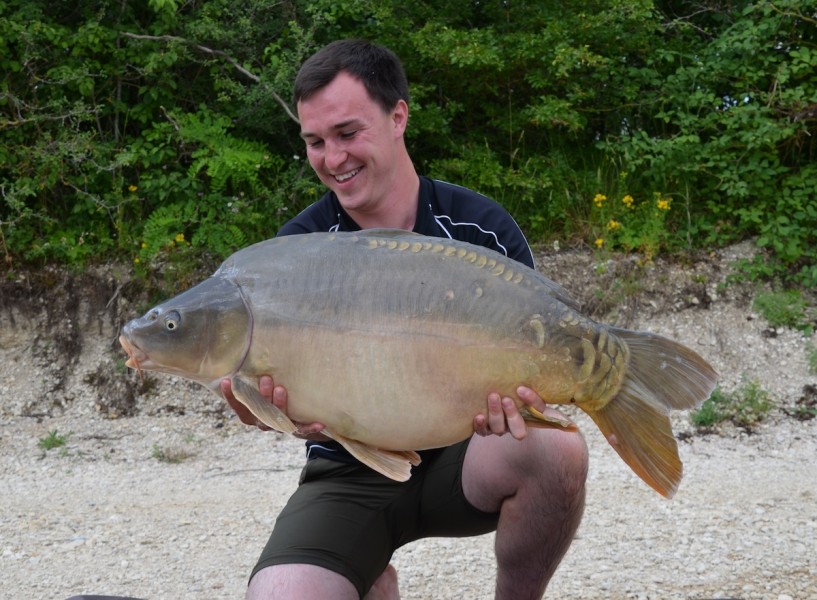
x: 443, y: 210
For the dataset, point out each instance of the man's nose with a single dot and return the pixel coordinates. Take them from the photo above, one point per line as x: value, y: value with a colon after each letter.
x: 335, y: 156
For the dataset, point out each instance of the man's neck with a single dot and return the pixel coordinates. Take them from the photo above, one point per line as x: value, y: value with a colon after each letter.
x: 398, y: 211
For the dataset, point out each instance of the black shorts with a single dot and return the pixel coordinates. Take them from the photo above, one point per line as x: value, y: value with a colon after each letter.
x: 350, y: 519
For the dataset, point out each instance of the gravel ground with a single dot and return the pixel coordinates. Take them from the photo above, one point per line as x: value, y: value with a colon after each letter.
x: 105, y: 513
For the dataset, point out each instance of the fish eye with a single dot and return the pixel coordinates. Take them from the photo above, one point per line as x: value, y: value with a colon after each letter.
x: 172, y: 320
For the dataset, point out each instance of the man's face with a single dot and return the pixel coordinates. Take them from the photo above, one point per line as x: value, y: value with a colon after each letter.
x: 351, y: 143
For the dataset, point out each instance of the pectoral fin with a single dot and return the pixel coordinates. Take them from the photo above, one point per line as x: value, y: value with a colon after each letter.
x: 264, y: 410
x: 553, y: 420
x: 394, y: 464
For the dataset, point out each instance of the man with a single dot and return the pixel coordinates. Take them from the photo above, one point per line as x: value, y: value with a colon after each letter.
x: 335, y: 537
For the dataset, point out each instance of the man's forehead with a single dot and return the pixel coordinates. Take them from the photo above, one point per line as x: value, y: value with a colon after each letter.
x: 331, y: 112
x: 343, y: 93
x: 339, y: 126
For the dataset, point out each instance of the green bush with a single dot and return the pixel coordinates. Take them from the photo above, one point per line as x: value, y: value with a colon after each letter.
x: 783, y: 309
x: 745, y: 407
x: 733, y: 134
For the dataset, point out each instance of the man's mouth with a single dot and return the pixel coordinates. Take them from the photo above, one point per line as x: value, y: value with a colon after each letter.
x: 347, y: 176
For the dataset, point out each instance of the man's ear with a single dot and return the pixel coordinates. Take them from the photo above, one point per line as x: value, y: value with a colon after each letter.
x: 399, y: 116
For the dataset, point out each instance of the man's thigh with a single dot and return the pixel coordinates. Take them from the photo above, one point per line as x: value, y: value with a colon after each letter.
x: 444, y: 509
x: 337, y: 519
x: 350, y: 519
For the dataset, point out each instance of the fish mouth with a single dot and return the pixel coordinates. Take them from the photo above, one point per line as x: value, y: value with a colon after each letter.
x: 136, y: 356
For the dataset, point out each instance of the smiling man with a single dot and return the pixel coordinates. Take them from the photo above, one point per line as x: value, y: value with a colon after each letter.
x: 336, y: 535
x: 356, y: 148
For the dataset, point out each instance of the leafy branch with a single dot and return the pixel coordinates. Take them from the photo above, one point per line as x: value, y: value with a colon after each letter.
x: 220, y: 53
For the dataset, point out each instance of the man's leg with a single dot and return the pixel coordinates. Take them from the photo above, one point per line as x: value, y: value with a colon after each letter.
x: 385, y: 588
x: 334, y: 534
x: 537, y: 486
x: 309, y: 582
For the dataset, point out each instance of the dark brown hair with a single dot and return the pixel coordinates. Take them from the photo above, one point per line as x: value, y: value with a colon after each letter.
x: 376, y: 67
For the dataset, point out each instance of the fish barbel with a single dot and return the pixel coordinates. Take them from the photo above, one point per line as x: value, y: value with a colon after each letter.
x: 394, y: 340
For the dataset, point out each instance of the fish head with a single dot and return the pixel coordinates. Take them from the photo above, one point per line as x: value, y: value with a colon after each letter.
x: 202, y: 334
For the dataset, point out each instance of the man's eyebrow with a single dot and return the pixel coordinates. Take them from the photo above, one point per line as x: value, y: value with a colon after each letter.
x: 336, y: 126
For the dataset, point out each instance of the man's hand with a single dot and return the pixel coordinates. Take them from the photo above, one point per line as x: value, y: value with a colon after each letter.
x: 276, y: 394
x: 503, y: 415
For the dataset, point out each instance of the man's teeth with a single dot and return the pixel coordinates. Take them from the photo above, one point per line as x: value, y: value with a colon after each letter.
x: 347, y: 176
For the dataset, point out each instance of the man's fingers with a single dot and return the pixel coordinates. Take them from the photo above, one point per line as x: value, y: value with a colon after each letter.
x: 516, y: 424
x: 279, y: 398
x: 266, y: 386
x: 531, y: 398
x: 496, y: 416
x: 481, y: 425
x: 243, y: 413
x: 503, y: 417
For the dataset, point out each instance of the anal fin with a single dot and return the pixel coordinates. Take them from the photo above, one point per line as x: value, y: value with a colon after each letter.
x: 394, y: 464
x: 553, y: 420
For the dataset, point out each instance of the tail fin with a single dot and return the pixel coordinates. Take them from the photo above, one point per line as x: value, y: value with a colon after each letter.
x: 661, y: 375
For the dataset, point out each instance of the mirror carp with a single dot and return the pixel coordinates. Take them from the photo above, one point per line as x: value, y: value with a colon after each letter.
x: 394, y: 340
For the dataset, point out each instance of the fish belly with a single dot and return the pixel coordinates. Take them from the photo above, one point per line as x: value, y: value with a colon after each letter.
x: 414, y: 388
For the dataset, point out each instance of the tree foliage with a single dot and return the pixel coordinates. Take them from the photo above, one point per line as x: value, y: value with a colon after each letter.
x: 152, y: 129
x: 732, y: 131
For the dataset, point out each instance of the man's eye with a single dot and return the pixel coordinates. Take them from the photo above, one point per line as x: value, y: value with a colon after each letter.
x: 347, y: 135
x: 315, y: 144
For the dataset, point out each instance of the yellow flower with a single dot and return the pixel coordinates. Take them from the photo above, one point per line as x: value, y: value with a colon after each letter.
x: 180, y: 237
x: 599, y: 199
x: 599, y: 243
x: 663, y: 204
x: 144, y: 244
x: 628, y: 201
x: 132, y: 188
x: 612, y: 225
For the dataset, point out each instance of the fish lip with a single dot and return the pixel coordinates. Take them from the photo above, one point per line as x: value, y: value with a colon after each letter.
x: 137, y: 357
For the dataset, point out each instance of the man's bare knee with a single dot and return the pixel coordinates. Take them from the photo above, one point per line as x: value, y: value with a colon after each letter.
x: 385, y: 588
x: 574, y: 460
x: 299, y: 582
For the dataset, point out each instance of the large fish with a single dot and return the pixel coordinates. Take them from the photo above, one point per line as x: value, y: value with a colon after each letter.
x: 394, y: 340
